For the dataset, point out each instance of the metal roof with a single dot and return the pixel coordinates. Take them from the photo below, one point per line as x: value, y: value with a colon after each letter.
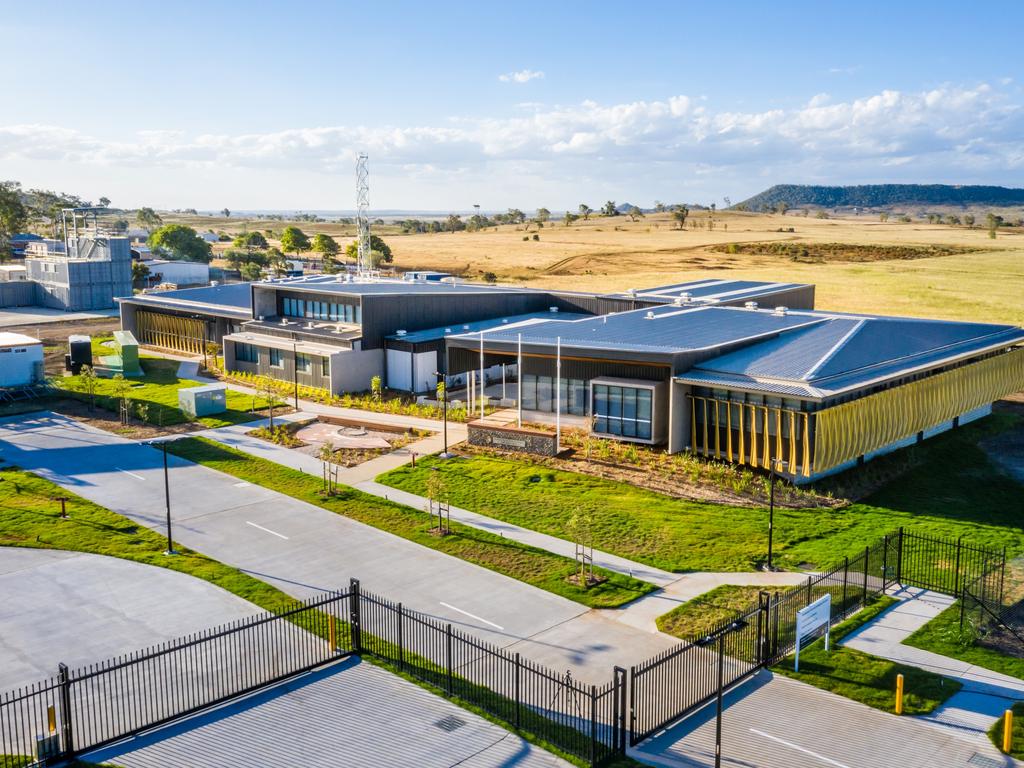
x: 236, y: 298
x: 387, y: 287
x: 849, y: 351
x: 458, y: 329
x: 662, y: 329
x: 710, y: 291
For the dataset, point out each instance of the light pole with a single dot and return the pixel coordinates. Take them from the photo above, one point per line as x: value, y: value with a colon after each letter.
x: 771, y: 507
x: 444, y: 406
x: 295, y: 372
x: 736, y: 626
x: 167, y: 497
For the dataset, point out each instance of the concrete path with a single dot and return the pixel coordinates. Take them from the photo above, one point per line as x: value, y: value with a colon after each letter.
x: 775, y: 722
x: 985, y: 694
x: 79, y: 608
x: 351, y: 714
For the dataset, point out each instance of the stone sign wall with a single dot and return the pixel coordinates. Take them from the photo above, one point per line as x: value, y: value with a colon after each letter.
x: 512, y: 439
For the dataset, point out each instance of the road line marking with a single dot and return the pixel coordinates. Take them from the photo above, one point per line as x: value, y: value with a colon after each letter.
x: 137, y: 477
x: 267, y: 530
x: 828, y: 760
x: 467, y: 613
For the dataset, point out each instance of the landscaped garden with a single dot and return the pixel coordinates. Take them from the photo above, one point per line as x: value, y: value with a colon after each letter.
x: 533, y: 566
x: 954, y: 489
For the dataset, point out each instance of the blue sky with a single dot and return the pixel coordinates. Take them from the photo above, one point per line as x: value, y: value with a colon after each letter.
x: 200, y: 105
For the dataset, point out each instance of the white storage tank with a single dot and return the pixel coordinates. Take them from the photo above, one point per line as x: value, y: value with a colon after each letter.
x: 21, y: 360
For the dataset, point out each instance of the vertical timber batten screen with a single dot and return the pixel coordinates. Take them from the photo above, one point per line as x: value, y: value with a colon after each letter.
x: 844, y: 432
x: 171, y: 332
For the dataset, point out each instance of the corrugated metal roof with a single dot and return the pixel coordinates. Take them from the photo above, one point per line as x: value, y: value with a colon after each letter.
x: 390, y: 287
x: 432, y: 334
x: 235, y: 296
x: 711, y: 290
x: 662, y: 329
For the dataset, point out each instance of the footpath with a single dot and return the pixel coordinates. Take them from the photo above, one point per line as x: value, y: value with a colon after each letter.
x: 985, y: 694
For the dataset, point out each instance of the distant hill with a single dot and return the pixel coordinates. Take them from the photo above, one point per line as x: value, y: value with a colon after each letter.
x: 881, y: 196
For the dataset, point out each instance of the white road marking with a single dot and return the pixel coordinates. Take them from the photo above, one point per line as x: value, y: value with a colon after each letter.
x: 828, y: 760
x: 467, y: 613
x: 267, y: 530
x: 137, y: 477
x: 242, y: 484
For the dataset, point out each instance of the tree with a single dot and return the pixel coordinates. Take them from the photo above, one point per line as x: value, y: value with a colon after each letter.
x: 294, y: 240
x: 266, y: 388
x: 609, y: 209
x: 180, y: 242
x: 585, y: 211
x: 13, y: 216
x: 490, y: 277
x: 635, y: 213
x: 437, y: 493
x: 454, y: 222
x: 250, y: 271
x: 104, y: 202
x: 679, y: 213
x: 88, y: 378
x: 325, y: 244
x: 543, y: 214
x: 570, y: 218
x: 659, y: 207
x: 781, y: 208
x: 140, y: 272
x: 516, y: 216
x: 969, y: 220
x: 225, y: 213
x: 148, y: 218
x: 379, y: 251
x: 326, y: 456
x: 883, y: 217
x: 375, y: 388
x: 121, y: 389
x: 250, y: 240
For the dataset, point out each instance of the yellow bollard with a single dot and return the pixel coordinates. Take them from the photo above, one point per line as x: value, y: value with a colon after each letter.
x: 1008, y: 731
x: 51, y: 719
x: 899, y: 694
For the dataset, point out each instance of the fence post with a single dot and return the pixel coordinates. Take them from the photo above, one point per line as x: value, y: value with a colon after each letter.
x: 355, y: 615
x: 775, y: 628
x: 593, y: 725
x: 885, y: 563
x: 1002, y: 576
x: 519, y: 701
x: 956, y: 574
x: 846, y: 576
x: 401, y: 642
x: 448, y: 654
x: 760, y: 627
x: 67, y: 739
x: 632, y: 706
x: 899, y: 558
x: 809, y: 582
x: 864, y: 598
x: 620, y: 709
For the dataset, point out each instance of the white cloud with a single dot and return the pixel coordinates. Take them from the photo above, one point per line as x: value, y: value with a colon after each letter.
x: 522, y: 76
x: 964, y: 134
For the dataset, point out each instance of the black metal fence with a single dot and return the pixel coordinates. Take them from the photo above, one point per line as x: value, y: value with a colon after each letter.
x: 680, y: 680
x: 95, y: 705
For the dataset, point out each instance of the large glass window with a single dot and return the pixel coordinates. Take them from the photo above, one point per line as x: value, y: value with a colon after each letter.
x: 303, y: 363
x: 275, y: 358
x: 246, y: 353
x: 325, y: 366
x: 545, y: 396
x: 538, y: 394
x: 623, y: 411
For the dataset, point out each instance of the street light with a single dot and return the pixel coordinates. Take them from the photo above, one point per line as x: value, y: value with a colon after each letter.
x: 736, y: 626
x: 167, y: 496
x: 444, y: 403
x: 295, y: 372
x: 782, y: 465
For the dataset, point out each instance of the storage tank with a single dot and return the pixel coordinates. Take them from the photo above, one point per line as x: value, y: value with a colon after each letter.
x: 79, y: 353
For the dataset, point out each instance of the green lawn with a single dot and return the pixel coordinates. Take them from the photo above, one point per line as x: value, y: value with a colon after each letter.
x: 996, y: 732
x: 705, y: 612
x: 943, y: 635
x: 157, y: 392
x: 866, y: 678
x: 533, y: 566
x: 956, y: 490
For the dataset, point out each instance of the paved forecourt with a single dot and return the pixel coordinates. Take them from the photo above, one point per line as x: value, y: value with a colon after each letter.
x: 78, y: 609
x: 351, y: 714
x: 298, y: 547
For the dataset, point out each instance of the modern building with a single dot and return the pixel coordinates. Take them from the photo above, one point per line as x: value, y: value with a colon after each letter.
x: 744, y: 371
x: 178, y: 273
x: 21, y: 360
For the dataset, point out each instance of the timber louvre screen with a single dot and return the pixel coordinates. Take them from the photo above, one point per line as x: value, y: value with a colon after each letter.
x: 171, y: 332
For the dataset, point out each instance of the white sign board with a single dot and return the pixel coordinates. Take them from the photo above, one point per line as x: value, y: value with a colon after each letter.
x: 811, y: 618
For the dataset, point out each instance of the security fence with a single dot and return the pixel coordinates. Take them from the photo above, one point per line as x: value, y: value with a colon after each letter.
x: 95, y: 705
x: 680, y: 680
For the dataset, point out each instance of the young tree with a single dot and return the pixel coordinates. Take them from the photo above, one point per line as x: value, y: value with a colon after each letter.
x: 585, y: 211
x: 180, y: 242
x: 679, y: 213
x: 437, y: 496
x: 266, y: 388
x: 326, y: 456
x: 375, y: 388
x: 121, y: 389
x: 88, y: 378
x: 294, y: 240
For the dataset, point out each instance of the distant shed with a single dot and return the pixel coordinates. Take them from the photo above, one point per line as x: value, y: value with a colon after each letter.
x: 21, y: 360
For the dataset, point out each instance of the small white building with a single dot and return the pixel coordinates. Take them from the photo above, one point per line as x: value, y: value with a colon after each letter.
x: 13, y: 273
x: 21, y: 360
x: 180, y: 273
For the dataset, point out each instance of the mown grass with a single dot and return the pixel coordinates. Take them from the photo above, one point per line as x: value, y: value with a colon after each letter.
x: 943, y: 635
x: 956, y: 490
x: 866, y: 678
x: 705, y: 612
x: 29, y: 517
x: 995, y: 733
x: 536, y: 567
x: 157, y: 394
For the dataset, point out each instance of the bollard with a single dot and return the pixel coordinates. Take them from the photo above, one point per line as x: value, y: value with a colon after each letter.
x: 1008, y: 731
x: 414, y: 458
x: 899, y: 694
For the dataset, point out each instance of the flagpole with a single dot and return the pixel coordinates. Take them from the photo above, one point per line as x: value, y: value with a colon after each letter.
x: 558, y: 395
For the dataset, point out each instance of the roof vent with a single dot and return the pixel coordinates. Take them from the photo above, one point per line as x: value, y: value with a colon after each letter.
x: 504, y: 321
x: 310, y: 324
x: 260, y: 317
x: 552, y: 309
x: 284, y: 321
x: 781, y: 311
x: 632, y: 292
x: 649, y: 315
x: 465, y: 327
x: 447, y: 330
x: 399, y: 333
x: 750, y: 304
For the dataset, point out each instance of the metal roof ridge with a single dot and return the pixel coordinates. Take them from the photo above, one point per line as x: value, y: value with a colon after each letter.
x: 835, y: 349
